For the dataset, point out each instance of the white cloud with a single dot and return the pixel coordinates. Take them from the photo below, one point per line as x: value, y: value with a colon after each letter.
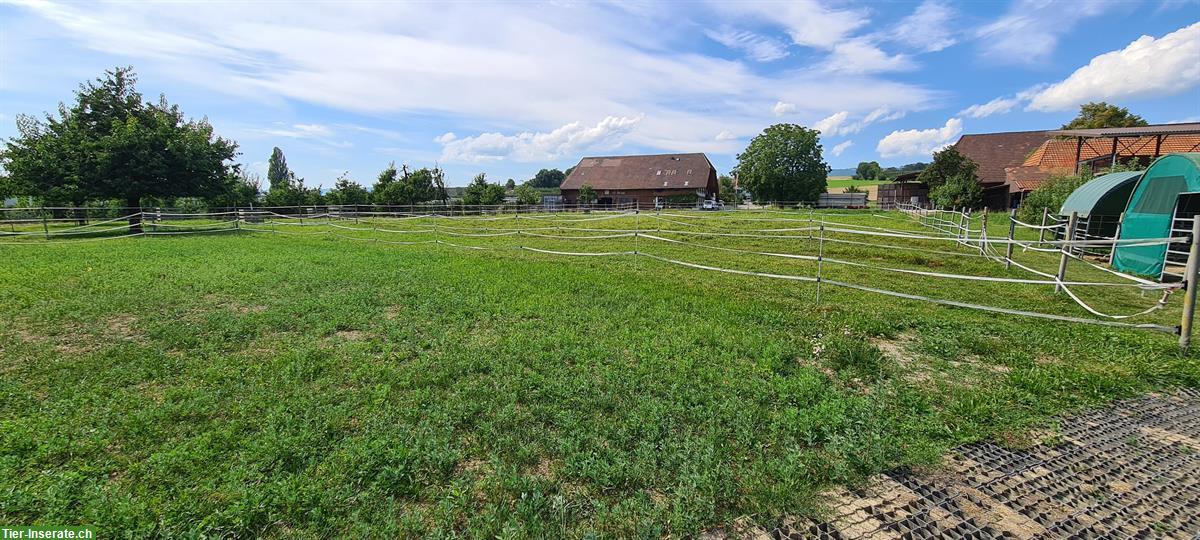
x: 840, y: 147
x: 782, y: 108
x: 919, y: 142
x: 1187, y: 120
x: 928, y: 29
x: 1030, y: 31
x: 445, y: 137
x: 1146, y: 67
x: 483, y: 64
x: 839, y: 123
x: 565, y: 141
x: 999, y: 105
x: 807, y: 22
x: 830, y: 125
x: 725, y: 135
x: 300, y: 131
x: 858, y: 56
x: 754, y: 46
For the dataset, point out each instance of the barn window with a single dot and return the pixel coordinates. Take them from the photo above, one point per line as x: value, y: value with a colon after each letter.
x: 659, y: 172
x: 664, y: 183
x: 685, y: 183
x: 689, y: 171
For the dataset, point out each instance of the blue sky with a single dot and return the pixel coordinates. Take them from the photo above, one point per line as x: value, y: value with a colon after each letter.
x: 510, y: 88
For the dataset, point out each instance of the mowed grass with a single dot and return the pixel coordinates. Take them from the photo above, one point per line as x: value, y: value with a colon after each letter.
x: 262, y: 384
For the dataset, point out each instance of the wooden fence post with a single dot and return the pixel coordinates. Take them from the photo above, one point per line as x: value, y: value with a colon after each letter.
x: 1112, y: 252
x: 983, y: 224
x: 45, y: 226
x: 1012, y: 230
x: 1189, y: 277
x: 1066, y: 251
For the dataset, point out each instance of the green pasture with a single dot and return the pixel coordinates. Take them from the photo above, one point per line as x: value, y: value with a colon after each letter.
x: 328, y: 379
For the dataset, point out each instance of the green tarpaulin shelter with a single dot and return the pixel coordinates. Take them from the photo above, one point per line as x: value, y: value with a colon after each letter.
x: 1151, y: 209
x: 1100, y: 202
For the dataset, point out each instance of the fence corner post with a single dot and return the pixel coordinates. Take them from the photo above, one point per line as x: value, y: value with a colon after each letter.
x: 1189, y: 280
x: 1066, y: 251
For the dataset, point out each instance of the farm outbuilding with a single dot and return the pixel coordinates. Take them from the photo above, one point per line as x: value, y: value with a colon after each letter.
x: 644, y: 180
x: 1162, y: 204
x: 1100, y: 202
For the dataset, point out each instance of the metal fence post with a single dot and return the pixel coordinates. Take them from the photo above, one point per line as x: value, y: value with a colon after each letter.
x: 820, y: 259
x: 1112, y: 252
x: 1066, y: 251
x: 1189, y: 277
x: 1012, y: 230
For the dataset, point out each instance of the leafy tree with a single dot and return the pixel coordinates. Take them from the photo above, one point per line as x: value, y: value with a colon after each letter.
x: 948, y: 164
x: 784, y: 163
x: 587, y: 195
x: 241, y: 190
x: 728, y: 193
x: 110, y: 144
x: 547, y: 178
x: 527, y: 195
x: 480, y: 192
x: 279, y: 176
x: 1103, y: 115
x: 958, y: 191
x: 284, y: 187
x: 438, y: 178
x: 1055, y: 190
x: 868, y: 170
x: 405, y: 187
x: 510, y: 184
x: 347, y: 192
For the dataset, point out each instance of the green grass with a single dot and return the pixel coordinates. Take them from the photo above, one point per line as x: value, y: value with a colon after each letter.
x: 846, y: 181
x: 313, y: 386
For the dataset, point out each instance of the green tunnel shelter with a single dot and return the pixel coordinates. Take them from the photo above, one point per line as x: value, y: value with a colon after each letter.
x: 1162, y: 204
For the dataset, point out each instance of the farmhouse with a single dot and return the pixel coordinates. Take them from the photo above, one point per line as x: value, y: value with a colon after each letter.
x: 644, y: 180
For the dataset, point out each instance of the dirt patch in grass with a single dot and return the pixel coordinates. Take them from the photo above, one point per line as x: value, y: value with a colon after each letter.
x: 122, y: 326
x: 351, y: 335
x: 249, y: 309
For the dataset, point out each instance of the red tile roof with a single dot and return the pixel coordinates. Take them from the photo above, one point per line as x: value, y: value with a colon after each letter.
x: 1059, y: 154
x: 658, y: 172
x: 995, y: 152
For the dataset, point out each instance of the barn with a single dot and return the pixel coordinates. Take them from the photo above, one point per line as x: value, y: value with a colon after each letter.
x: 644, y: 180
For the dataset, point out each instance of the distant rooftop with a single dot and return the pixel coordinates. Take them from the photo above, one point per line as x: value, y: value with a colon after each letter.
x: 1158, y: 129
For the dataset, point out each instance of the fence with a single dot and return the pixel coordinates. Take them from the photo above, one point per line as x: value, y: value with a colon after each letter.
x: 967, y: 233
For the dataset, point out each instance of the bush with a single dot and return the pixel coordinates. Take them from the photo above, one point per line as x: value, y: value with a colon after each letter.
x: 958, y: 191
x: 1051, y: 194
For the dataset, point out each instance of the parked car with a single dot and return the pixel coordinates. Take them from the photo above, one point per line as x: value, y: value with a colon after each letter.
x: 712, y: 205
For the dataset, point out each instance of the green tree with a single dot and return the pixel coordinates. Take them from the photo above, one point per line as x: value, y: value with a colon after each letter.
x: 383, y: 192
x: 241, y: 190
x: 784, y: 163
x: 438, y: 179
x: 510, y: 184
x: 948, y: 164
x: 480, y: 192
x: 347, y: 192
x: 279, y: 176
x: 527, y: 195
x: 587, y: 195
x: 728, y: 193
x: 547, y: 178
x: 405, y: 187
x: 958, y: 191
x: 868, y: 170
x: 110, y: 144
x: 1103, y: 115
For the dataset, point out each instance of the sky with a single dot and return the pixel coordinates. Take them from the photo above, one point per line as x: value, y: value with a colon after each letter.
x: 508, y: 88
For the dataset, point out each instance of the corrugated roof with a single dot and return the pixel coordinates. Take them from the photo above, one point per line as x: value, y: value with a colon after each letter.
x: 995, y: 152
x: 1089, y: 196
x: 658, y: 171
x: 1157, y: 129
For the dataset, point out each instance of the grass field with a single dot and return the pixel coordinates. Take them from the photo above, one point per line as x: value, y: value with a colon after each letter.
x: 838, y: 182
x: 328, y: 384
